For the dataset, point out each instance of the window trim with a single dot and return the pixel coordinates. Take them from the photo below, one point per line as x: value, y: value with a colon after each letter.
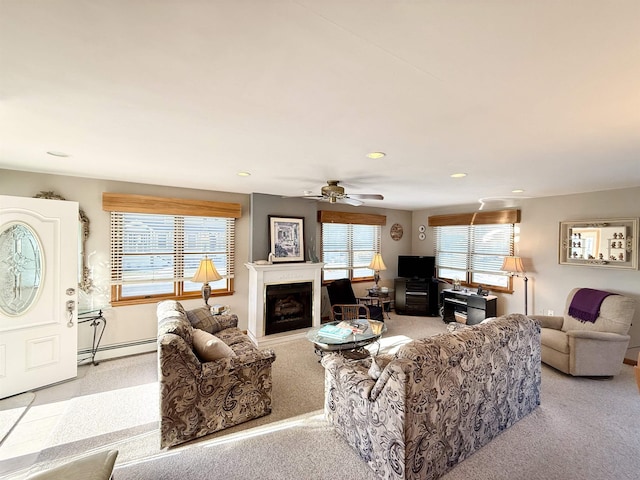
x: 177, y: 208
x: 510, y: 216
x: 347, y: 218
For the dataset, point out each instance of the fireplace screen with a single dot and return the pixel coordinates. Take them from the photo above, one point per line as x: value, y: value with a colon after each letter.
x: 288, y: 307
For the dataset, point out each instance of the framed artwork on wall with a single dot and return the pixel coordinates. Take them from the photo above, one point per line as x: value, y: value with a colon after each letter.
x: 287, y: 239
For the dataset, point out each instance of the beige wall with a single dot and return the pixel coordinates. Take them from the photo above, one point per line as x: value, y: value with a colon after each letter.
x: 549, y: 282
x: 131, y: 325
x: 132, y: 329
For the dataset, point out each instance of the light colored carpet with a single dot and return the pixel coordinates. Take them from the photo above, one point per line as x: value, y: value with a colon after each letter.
x: 11, y: 411
x: 584, y: 429
x: 115, y: 404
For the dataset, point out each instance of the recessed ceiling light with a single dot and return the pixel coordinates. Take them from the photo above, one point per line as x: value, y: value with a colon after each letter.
x: 57, y: 154
x: 458, y: 175
x: 517, y: 190
x: 376, y: 154
x: 244, y: 174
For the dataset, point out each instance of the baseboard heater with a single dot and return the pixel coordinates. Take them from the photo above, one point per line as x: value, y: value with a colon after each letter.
x: 116, y: 346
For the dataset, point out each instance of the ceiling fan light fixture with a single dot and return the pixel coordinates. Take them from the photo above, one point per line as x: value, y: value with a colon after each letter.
x: 375, y: 155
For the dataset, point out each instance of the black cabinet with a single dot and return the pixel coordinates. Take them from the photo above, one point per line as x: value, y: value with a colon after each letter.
x: 467, y: 307
x: 416, y: 297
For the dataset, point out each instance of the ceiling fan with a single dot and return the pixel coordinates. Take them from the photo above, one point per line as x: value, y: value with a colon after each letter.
x: 334, y: 193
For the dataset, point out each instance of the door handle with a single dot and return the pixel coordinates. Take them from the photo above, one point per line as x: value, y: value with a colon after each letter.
x: 71, y: 306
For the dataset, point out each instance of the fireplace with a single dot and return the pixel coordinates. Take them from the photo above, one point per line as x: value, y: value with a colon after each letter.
x: 284, y: 300
x: 287, y: 307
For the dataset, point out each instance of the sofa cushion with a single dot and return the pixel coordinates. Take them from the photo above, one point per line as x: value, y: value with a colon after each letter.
x: 209, y: 347
x: 237, y: 340
x: 555, y: 339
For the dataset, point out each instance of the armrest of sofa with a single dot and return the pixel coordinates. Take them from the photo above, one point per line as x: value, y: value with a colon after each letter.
x: 354, y: 375
x: 602, y: 336
x: 176, y: 357
x: 549, y: 321
x: 224, y: 366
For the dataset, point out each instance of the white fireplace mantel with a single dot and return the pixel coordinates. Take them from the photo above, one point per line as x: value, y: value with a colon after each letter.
x: 261, y: 275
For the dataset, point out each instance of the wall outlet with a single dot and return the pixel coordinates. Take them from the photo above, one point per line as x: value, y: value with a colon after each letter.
x: 549, y: 312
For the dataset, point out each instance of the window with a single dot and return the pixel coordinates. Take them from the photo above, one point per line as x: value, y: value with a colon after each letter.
x: 474, y: 253
x: 472, y: 250
x: 155, y: 255
x: 349, y: 242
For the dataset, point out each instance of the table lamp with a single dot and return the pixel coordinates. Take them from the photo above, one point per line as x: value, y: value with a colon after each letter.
x: 376, y: 265
x: 513, y: 265
x: 206, y: 273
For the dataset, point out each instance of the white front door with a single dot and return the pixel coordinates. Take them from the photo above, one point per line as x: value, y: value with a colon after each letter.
x: 38, y: 292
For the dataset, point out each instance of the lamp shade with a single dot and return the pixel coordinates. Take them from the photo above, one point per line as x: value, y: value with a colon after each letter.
x: 377, y: 263
x: 512, y: 265
x: 206, y: 272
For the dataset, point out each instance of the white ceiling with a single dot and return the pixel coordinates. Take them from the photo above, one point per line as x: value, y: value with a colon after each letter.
x: 542, y: 95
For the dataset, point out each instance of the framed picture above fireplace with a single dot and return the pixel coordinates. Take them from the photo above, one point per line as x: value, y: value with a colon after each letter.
x: 287, y: 239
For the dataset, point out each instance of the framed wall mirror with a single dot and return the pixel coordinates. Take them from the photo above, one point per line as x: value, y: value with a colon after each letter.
x: 610, y: 243
x: 85, y: 283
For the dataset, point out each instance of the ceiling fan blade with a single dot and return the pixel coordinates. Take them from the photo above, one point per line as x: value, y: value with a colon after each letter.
x: 367, y: 196
x: 350, y: 201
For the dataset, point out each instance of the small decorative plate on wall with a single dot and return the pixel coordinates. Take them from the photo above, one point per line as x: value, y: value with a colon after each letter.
x: 396, y: 231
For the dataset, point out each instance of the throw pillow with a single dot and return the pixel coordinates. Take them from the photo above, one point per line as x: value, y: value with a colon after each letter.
x: 209, y: 347
x: 198, y: 315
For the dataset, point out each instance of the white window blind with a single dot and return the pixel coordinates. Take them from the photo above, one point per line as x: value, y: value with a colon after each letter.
x: 474, y: 253
x: 156, y: 255
x: 347, y: 249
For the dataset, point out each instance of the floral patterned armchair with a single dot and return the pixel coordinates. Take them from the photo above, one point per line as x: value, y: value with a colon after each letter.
x: 439, y: 399
x: 200, y: 397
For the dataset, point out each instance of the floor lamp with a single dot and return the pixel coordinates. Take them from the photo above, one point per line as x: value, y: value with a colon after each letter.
x: 513, y: 265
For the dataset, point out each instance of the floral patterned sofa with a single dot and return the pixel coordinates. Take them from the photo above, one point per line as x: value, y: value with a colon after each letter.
x: 439, y: 399
x: 200, y: 395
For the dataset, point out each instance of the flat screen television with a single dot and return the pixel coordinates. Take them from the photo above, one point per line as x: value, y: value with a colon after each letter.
x: 412, y: 266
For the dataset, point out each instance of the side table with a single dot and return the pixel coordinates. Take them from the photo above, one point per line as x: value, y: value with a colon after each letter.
x: 99, y: 324
x: 380, y: 299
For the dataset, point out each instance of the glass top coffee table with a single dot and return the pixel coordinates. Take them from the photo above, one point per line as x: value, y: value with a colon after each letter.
x: 351, y: 345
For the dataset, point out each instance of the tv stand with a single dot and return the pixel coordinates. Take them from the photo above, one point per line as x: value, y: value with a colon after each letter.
x: 415, y: 296
x: 467, y: 307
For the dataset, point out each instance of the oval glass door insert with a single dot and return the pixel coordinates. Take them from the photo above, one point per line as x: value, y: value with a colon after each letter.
x: 21, y: 267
